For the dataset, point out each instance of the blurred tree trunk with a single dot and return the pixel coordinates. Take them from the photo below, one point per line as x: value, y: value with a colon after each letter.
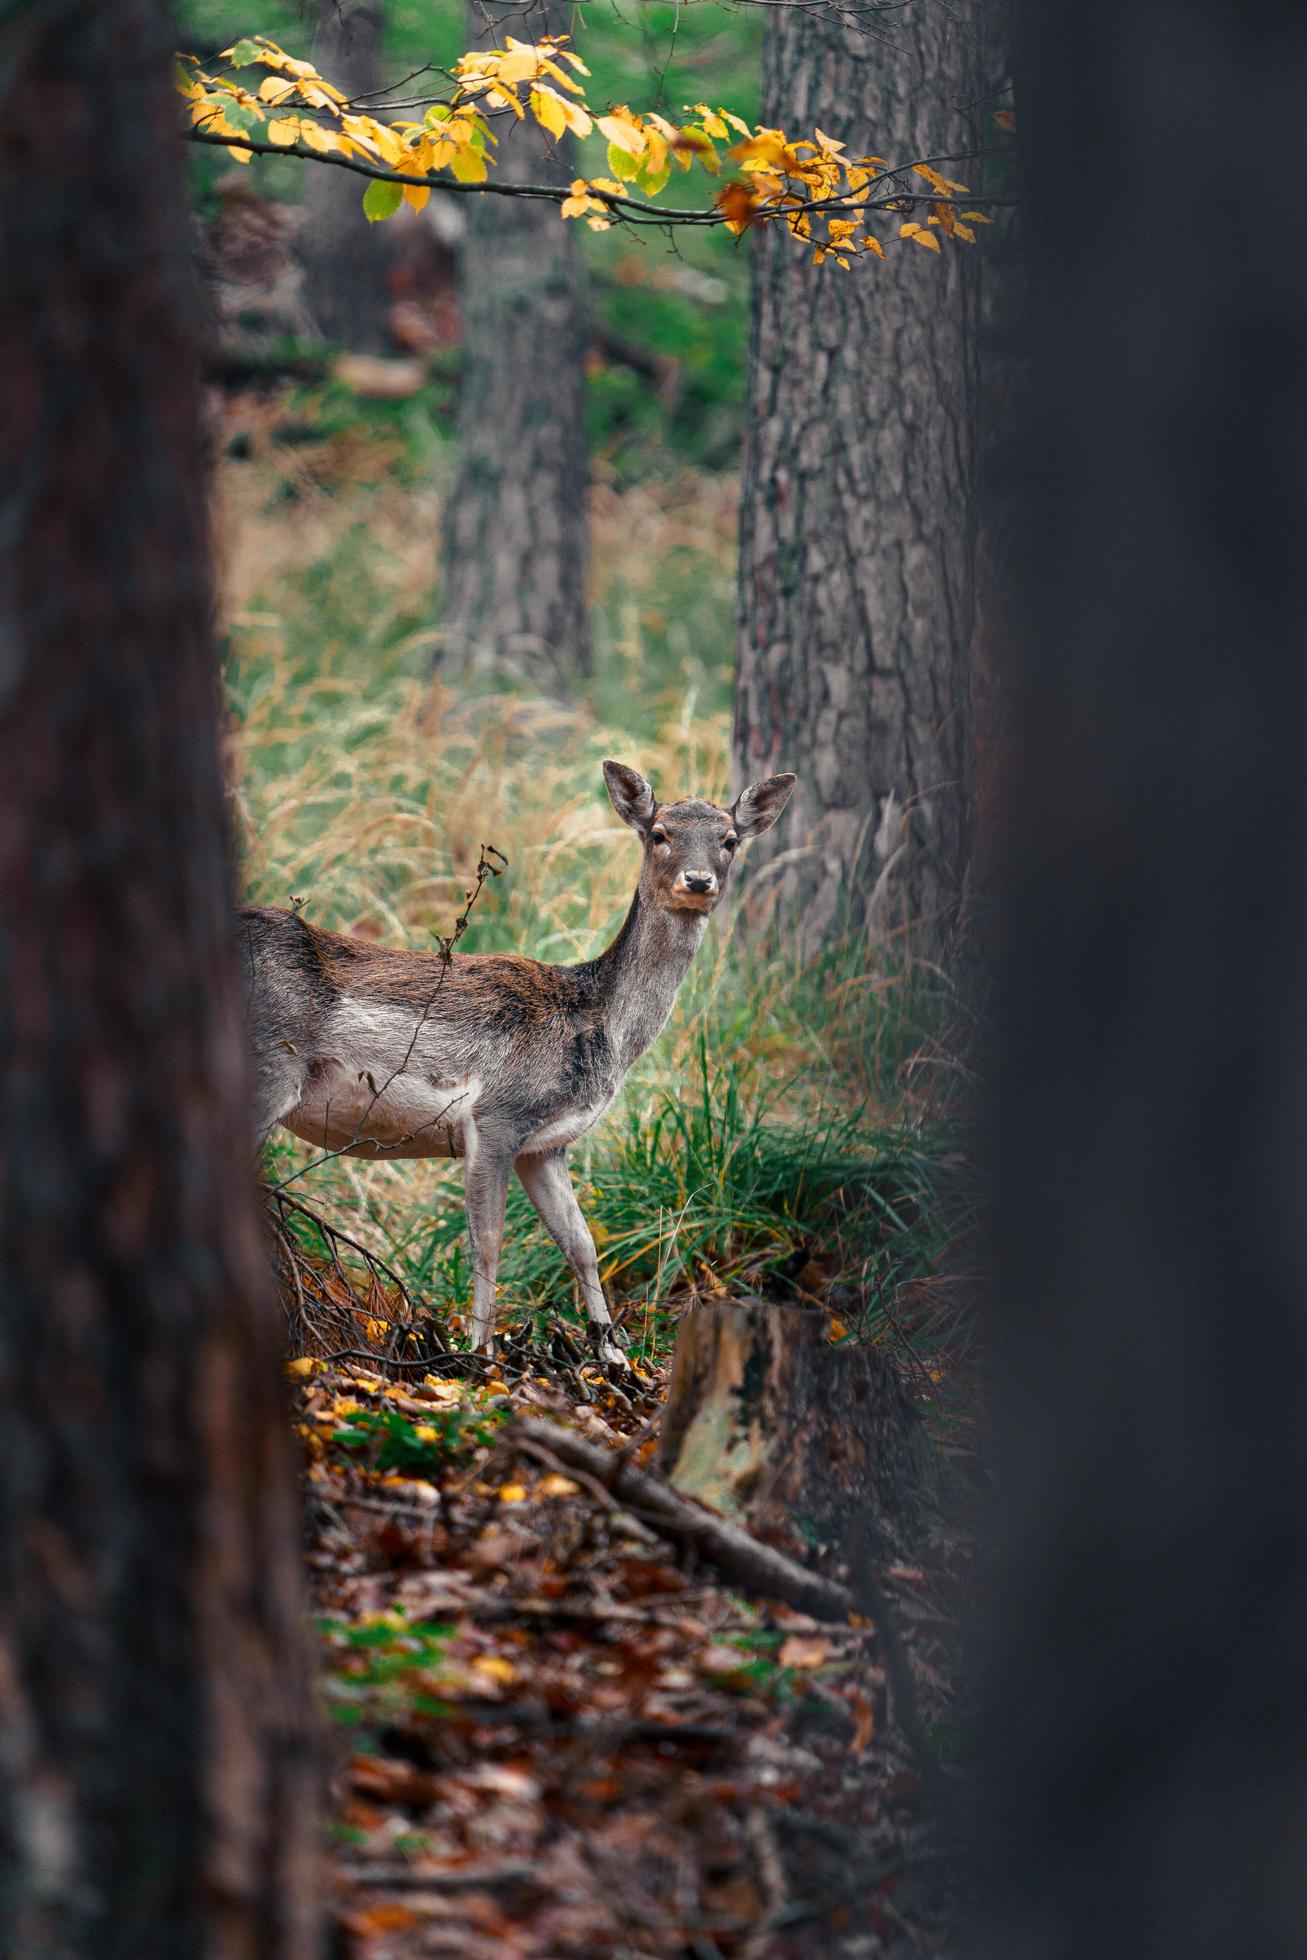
x: 345, y: 258
x: 857, y: 521
x: 1147, y: 1792
x: 158, y: 1775
x: 516, y: 526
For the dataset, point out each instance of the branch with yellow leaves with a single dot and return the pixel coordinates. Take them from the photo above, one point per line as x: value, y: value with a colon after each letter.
x: 294, y: 111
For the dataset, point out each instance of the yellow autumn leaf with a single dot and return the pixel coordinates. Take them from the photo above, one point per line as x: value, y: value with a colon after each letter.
x: 926, y: 238
x: 303, y: 1365
x: 1006, y: 120
x: 273, y: 89
x: 284, y: 130
x: 712, y: 122
x: 547, y: 108
x: 512, y: 1493
x: 425, y: 1433
x: 416, y: 195
x: 622, y: 132
x: 495, y: 1668
x: 910, y: 229
x: 555, y: 1486
x: 469, y: 167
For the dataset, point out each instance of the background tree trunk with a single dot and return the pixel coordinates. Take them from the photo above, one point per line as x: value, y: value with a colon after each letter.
x: 158, y: 1775
x: 345, y: 258
x: 516, y: 526
x: 856, y: 529
x: 1148, y: 1730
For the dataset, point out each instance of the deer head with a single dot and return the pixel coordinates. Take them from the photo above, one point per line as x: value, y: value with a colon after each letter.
x: 690, y: 846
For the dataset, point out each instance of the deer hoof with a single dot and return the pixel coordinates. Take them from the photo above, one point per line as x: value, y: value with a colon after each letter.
x: 612, y: 1356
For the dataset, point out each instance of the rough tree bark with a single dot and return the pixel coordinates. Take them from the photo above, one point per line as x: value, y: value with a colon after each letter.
x: 516, y: 528
x: 345, y: 258
x: 158, y: 1774
x: 856, y: 529
x: 1148, y: 1730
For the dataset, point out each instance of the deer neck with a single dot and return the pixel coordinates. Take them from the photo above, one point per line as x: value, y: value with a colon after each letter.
x: 641, y: 972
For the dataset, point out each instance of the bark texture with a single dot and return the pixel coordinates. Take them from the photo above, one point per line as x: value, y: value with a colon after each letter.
x: 158, y: 1777
x: 345, y: 258
x: 856, y: 532
x: 516, y: 526
x: 767, y: 1421
x: 1147, y: 1789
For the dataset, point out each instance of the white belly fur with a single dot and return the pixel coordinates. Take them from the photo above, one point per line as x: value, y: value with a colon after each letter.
x: 404, y: 1117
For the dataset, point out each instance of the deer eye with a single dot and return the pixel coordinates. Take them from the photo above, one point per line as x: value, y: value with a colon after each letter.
x: 729, y: 843
x: 658, y: 836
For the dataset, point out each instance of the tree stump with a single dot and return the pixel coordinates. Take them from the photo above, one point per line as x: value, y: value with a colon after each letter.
x: 768, y: 1422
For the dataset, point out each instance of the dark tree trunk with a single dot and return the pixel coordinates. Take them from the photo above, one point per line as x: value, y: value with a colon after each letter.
x: 157, y: 1768
x: 345, y: 258
x: 516, y: 527
x: 1148, y: 1785
x: 856, y: 513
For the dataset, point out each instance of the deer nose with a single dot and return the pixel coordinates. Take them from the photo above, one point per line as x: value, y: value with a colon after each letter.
x: 699, y: 881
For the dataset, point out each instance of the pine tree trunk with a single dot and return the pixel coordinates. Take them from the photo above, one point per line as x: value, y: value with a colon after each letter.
x: 856, y: 535
x: 516, y: 527
x: 345, y: 258
x: 1147, y: 1787
x: 158, y: 1774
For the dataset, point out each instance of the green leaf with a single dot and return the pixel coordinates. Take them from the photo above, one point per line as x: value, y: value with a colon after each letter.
x: 650, y: 182
x: 623, y: 165
x: 240, y: 117
x: 244, y: 53
x: 439, y: 112
x: 381, y: 200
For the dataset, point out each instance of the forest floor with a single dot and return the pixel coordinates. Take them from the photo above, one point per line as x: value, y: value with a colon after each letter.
x: 556, y: 1733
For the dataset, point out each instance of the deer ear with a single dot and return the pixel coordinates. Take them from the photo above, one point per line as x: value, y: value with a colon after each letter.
x: 756, y: 809
x: 631, y: 795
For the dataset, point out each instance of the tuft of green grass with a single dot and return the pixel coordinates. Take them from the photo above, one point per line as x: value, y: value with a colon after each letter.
x: 710, y: 1191
x: 386, y: 1440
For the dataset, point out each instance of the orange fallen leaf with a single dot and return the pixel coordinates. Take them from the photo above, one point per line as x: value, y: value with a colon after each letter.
x: 800, y: 1651
x: 864, y: 1720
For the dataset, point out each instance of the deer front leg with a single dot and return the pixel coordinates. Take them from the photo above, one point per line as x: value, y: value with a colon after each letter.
x: 547, y: 1184
x: 485, y: 1193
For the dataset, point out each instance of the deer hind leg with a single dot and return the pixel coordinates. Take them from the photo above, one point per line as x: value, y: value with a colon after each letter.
x: 547, y: 1184
x: 486, y: 1192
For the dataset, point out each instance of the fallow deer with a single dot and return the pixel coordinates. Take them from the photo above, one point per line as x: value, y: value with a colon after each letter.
x: 500, y: 1060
